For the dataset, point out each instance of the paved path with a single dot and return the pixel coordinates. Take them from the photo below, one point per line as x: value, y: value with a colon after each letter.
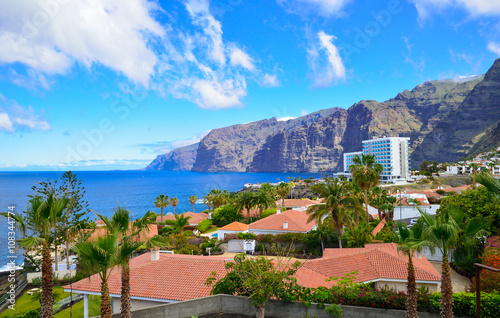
x: 460, y: 283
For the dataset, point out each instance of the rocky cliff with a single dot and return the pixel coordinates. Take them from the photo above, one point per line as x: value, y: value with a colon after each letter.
x: 446, y: 120
x: 180, y: 159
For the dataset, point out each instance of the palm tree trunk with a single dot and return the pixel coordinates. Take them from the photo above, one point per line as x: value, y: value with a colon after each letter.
x: 193, y: 207
x: 174, y: 209
x: 55, y: 257
x: 67, y: 255
x: 366, y: 208
x: 411, y: 300
x: 106, y: 310
x: 379, y: 213
x: 446, y: 288
x: 339, y: 236
x: 46, y: 301
x: 162, y: 214
x: 248, y: 214
x: 125, y: 301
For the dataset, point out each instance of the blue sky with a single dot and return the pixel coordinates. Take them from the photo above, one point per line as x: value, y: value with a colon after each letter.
x: 110, y: 84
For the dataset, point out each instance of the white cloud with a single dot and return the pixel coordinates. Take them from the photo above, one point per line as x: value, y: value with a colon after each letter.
x: 49, y: 37
x: 321, y: 7
x: 238, y: 57
x: 16, y: 117
x: 325, y: 63
x: 195, y: 139
x: 286, y: 118
x: 270, y: 80
x: 494, y: 47
x: 474, y: 7
x: 5, y: 122
x: 215, y: 94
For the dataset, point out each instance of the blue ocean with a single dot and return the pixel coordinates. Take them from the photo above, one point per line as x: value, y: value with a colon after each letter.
x: 135, y: 190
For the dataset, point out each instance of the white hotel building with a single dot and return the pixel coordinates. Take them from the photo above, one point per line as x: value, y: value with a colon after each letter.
x: 391, y: 152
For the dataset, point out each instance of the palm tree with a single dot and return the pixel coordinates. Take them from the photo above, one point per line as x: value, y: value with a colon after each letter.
x: 41, y: 221
x: 179, y: 223
x: 379, y: 197
x: 336, y: 205
x: 356, y: 195
x: 128, y: 235
x: 405, y: 238
x: 321, y: 233
x: 445, y: 230
x: 413, y: 202
x: 161, y: 202
x: 366, y: 173
x: 174, y: 202
x: 99, y: 256
x: 282, y: 190
x: 246, y: 200
x: 263, y: 200
x: 208, y: 200
x: 474, y: 166
x: 388, y: 210
x: 193, y: 199
x: 491, y: 183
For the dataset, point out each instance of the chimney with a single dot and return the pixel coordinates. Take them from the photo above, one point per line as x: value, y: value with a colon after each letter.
x: 155, y: 254
x: 285, y: 225
x: 278, y: 211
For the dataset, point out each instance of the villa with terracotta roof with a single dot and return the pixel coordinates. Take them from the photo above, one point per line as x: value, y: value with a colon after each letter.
x: 296, y: 204
x: 157, y: 278
x: 379, y: 264
x: 195, y: 218
x: 284, y: 222
x: 146, y: 235
x: 232, y: 228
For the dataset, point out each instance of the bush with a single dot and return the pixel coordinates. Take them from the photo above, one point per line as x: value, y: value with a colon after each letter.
x: 268, y: 212
x: 37, y: 281
x: 246, y: 236
x: 226, y: 214
x: 193, y: 248
x: 165, y: 230
x: 204, y: 225
x: 440, y: 191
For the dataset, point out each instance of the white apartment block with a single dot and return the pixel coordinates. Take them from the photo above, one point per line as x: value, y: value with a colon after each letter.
x: 466, y: 169
x: 391, y: 152
x: 348, y: 156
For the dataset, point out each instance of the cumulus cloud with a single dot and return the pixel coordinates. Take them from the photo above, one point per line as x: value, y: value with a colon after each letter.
x: 321, y: 7
x: 238, y: 57
x: 325, y: 64
x: 51, y: 36
x: 494, y: 47
x: 474, y: 7
x: 15, y: 117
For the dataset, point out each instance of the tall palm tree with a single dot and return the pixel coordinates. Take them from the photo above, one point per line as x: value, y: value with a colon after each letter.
x: 99, y: 256
x: 444, y: 231
x: 336, y: 205
x: 208, y: 201
x: 174, y: 202
x: 356, y: 194
x: 474, y: 166
x: 263, y: 200
x: 246, y: 200
x: 193, y: 199
x: 162, y: 202
x: 179, y: 223
x: 405, y: 238
x: 40, y: 220
x: 378, y: 197
x: 366, y: 173
x: 283, y: 189
x: 129, y: 239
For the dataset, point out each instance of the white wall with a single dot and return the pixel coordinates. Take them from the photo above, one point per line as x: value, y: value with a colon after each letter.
x: 411, y: 212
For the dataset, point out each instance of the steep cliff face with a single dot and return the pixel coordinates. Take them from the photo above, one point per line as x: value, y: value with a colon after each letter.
x: 232, y: 148
x: 180, y: 159
x: 466, y: 128
x: 446, y: 120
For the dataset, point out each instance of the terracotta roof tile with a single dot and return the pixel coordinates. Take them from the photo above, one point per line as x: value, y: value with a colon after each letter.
x: 297, y: 202
x: 195, y: 218
x: 297, y: 222
x: 173, y: 277
x: 235, y: 226
x: 102, y: 231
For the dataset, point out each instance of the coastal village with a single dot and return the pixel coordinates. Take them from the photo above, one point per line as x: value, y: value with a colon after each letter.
x: 366, y: 230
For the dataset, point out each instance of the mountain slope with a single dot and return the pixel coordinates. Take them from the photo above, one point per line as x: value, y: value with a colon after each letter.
x: 446, y: 120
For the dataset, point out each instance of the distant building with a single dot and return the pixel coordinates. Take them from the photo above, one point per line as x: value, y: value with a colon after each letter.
x: 391, y: 152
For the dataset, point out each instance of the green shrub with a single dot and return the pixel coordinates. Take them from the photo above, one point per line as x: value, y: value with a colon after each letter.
x: 37, y: 281
x: 268, y: 212
x: 246, y: 236
x: 204, y: 225
x: 226, y: 214
x: 193, y: 248
x: 334, y: 310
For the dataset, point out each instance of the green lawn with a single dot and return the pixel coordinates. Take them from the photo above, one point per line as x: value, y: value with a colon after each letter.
x: 210, y: 230
x: 29, y: 302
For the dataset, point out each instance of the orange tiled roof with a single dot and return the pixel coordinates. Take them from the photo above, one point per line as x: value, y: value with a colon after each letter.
x: 102, y: 231
x: 235, y: 226
x: 374, y: 261
x: 173, y: 277
x: 196, y: 218
x: 296, y: 202
x: 379, y: 227
x: 297, y: 222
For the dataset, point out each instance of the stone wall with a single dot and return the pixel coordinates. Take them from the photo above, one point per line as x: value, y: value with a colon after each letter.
x: 274, y: 309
